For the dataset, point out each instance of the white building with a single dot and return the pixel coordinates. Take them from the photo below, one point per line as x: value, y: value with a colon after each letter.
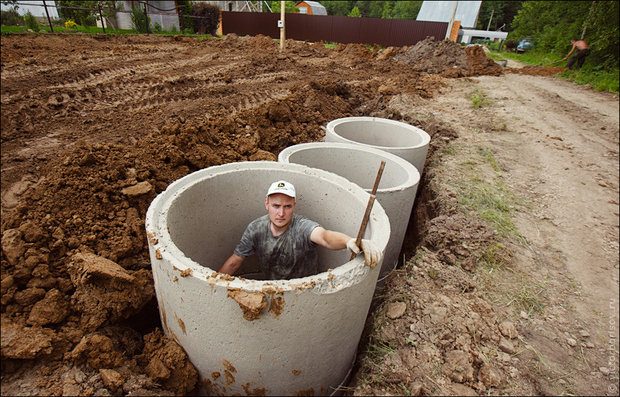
x: 36, y: 8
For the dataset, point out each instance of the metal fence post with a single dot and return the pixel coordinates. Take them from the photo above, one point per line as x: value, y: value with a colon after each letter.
x: 48, y: 17
x: 101, y: 16
x: 146, y: 14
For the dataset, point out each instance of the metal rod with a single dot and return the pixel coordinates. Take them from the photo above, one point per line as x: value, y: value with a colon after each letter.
x: 48, y: 17
x: 146, y: 15
x: 101, y: 16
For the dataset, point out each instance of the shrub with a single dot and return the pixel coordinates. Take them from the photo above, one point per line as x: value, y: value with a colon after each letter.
x: 139, y: 19
x: 511, y: 45
x: 185, y: 14
x: 70, y: 24
x: 90, y: 20
x: 157, y: 27
x: 32, y: 22
x: 209, y: 17
x: 11, y: 18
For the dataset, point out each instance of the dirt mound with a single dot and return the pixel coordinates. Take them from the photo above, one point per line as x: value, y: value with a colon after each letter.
x: 479, y: 64
x: 432, y: 56
x: 448, y: 59
x: 263, y: 42
x: 536, y: 70
x: 353, y: 50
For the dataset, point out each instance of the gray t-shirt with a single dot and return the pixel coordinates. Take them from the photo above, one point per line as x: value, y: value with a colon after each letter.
x: 289, y: 255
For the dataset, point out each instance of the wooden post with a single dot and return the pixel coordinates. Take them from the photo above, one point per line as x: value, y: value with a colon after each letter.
x: 449, y: 30
x: 371, y: 202
x: 48, y: 17
x: 282, y: 33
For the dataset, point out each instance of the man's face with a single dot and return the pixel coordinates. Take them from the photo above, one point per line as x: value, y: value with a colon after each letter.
x: 280, y: 208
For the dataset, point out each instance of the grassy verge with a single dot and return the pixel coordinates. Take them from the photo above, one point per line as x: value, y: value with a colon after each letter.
x: 476, y: 177
x: 4, y: 29
x: 600, y: 80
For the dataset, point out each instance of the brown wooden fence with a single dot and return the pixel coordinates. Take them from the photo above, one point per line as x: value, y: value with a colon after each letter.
x: 334, y: 29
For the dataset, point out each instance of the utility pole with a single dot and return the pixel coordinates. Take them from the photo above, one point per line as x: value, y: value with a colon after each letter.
x: 585, y: 24
x: 281, y: 25
x: 489, y: 25
x: 449, y: 31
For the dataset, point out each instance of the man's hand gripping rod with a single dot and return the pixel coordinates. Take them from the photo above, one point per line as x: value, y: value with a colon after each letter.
x: 371, y: 201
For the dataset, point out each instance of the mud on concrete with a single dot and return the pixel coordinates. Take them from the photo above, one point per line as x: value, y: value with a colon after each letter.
x: 94, y: 127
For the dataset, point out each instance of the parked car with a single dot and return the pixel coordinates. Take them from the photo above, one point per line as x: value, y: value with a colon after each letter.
x: 525, y: 44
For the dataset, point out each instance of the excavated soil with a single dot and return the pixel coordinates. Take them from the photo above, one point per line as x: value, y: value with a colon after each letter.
x: 94, y: 127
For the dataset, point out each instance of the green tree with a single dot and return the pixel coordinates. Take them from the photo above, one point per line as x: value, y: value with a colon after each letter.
x: 387, y: 10
x: 364, y: 7
x: 553, y: 23
x: 406, y: 9
x: 375, y: 10
x: 289, y: 7
x: 338, y: 7
x: 355, y: 12
x: 502, y: 11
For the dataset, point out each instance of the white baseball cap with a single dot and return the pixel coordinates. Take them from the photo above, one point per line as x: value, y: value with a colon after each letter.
x: 283, y: 187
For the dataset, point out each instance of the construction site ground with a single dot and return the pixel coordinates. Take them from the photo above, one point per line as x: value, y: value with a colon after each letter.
x: 509, y: 278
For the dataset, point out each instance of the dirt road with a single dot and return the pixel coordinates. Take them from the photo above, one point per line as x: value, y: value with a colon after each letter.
x: 529, y: 306
x: 556, y: 145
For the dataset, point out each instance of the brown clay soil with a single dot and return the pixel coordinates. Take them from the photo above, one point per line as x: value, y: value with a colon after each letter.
x: 94, y: 127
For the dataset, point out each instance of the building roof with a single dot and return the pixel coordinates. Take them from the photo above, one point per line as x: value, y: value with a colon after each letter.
x: 317, y: 8
x: 441, y: 11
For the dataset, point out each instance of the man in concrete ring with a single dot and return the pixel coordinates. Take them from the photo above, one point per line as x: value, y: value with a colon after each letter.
x: 286, y: 243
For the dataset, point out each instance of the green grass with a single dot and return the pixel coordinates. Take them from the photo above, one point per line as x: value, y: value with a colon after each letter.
x: 4, y: 29
x: 485, y: 194
x: 528, y: 300
x: 599, y: 80
x: 478, y: 99
x: 60, y: 29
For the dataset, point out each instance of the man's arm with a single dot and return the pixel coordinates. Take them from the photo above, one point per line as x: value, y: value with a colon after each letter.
x: 571, y: 51
x: 336, y: 241
x: 232, y: 264
x: 329, y: 239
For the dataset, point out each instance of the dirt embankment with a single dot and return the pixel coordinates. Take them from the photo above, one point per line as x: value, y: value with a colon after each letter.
x: 93, y: 128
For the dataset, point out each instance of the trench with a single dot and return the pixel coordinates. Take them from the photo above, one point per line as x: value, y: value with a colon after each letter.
x: 422, y: 210
x: 425, y: 208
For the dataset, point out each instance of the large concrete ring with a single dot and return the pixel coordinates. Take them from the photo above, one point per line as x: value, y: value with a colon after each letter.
x: 401, y: 139
x: 245, y: 336
x: 359, y: 164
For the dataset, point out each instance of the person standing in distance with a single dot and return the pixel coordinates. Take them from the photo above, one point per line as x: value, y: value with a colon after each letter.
x: 580, y: 56
x: 286, y: 244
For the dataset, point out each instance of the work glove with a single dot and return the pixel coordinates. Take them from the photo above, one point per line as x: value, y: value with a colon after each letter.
x: 372, y: 254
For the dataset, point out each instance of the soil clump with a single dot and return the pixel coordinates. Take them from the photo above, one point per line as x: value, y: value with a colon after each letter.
x: 448, y: 59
